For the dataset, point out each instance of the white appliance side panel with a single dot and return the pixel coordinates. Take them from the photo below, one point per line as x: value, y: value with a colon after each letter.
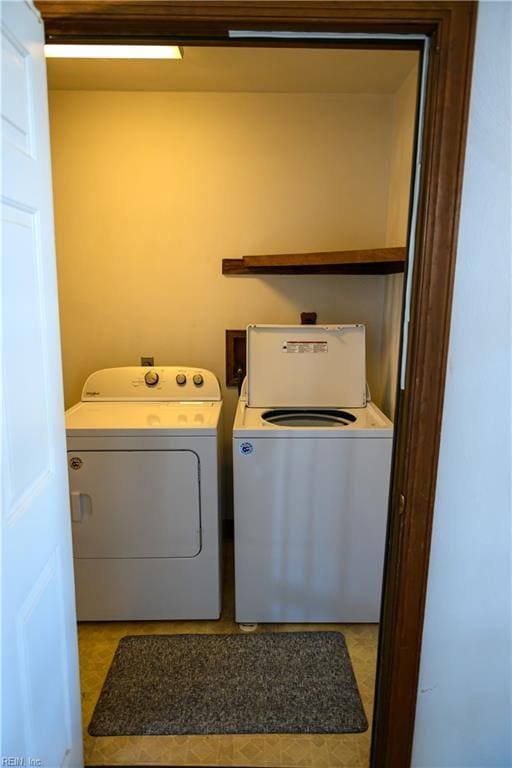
x: 306, y: 366
x: 135, y: 504
x: 310, y: 524
x: 149, y: 589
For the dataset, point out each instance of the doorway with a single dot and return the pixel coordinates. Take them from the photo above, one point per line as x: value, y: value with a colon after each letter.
x: 452, y: 28
x: 162, y: 171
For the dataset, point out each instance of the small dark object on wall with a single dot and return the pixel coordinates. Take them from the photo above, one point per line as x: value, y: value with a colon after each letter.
x: 235, y: 358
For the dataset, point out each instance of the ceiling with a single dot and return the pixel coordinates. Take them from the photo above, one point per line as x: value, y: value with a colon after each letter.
x: 265, y: 70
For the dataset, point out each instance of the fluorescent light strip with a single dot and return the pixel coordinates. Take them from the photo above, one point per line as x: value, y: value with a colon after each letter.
x: 112, y: 51
x: 289, y: 35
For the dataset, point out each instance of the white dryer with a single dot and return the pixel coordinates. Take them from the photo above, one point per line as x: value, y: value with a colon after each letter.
x: 143, y: 463
x: 312, y: 462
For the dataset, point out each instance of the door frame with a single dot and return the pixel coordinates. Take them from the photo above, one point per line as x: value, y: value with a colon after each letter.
x: 450, y: 26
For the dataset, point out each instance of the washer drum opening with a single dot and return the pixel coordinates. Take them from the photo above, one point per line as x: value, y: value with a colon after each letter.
x: 300, y: 417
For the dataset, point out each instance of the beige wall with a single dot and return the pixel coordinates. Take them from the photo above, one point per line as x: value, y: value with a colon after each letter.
x: 152, y: 190
x: 404, y: 108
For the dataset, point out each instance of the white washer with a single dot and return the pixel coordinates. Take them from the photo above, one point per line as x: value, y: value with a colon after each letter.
x: 312, y: 462
x: 144, y: 481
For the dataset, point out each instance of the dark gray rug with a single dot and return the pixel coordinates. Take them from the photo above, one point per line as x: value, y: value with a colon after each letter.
x: 282, y: 682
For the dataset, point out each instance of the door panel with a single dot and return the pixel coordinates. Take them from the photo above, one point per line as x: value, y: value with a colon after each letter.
x: 128, y: 504
x: 35, y: 634
x: 16, y: 103
x: 40, y: 686
x: 26, y: 418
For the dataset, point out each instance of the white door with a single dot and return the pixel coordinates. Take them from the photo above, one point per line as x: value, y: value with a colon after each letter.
x: 40, y: 685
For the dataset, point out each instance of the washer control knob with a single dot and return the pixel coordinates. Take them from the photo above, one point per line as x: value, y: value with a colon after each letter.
x: 181, y: 379
x: 151, y: 378
x: 198, y: 380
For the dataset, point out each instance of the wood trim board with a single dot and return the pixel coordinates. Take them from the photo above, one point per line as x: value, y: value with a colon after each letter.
x: 238, y: 267
x: 328, y: 258
x: 378, y: 261
x: 450, y: 24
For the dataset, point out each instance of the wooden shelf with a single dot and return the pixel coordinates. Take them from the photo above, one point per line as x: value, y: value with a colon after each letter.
x: 378, y: 261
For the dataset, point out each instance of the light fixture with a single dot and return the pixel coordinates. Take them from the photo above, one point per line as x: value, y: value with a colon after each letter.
x: 113, y: 51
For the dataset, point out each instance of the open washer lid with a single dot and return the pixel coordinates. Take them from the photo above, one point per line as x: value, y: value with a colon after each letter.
x: 306, y: 366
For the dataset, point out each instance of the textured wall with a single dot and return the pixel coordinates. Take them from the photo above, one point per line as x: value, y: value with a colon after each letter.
x: 152, y: 190
x: 464, y: 710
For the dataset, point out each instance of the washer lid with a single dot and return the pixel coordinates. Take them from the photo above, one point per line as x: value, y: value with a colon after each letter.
x: 306, y: 366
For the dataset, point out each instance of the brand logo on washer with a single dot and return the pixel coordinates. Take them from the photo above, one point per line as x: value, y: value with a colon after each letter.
x: 246, y: 448
x: 75, y: 462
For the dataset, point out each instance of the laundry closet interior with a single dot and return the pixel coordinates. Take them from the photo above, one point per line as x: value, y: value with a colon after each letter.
x: 167, y: 177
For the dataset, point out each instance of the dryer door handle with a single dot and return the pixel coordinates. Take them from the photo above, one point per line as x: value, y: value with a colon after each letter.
x: 77, y: 508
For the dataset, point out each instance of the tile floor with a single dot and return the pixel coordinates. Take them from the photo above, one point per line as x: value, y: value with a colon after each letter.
x: 98, y: 642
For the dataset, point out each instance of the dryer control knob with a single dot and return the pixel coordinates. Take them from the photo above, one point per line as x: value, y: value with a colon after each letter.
x: 151, y: 378
x: 198, y: 380
x: 181, y: 379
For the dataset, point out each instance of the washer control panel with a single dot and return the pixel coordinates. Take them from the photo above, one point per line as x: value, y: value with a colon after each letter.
x: 159, y: 383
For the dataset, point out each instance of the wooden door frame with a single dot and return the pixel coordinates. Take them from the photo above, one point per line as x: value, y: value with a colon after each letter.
x: 450, y: 25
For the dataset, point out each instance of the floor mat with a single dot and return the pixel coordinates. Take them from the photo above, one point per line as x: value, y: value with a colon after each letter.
x: 281, y: 682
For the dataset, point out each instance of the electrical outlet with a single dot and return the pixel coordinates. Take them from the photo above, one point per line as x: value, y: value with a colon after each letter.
x: 150, y: 361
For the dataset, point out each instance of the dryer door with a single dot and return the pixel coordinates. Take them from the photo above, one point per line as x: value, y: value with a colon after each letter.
x: 135, y: 504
